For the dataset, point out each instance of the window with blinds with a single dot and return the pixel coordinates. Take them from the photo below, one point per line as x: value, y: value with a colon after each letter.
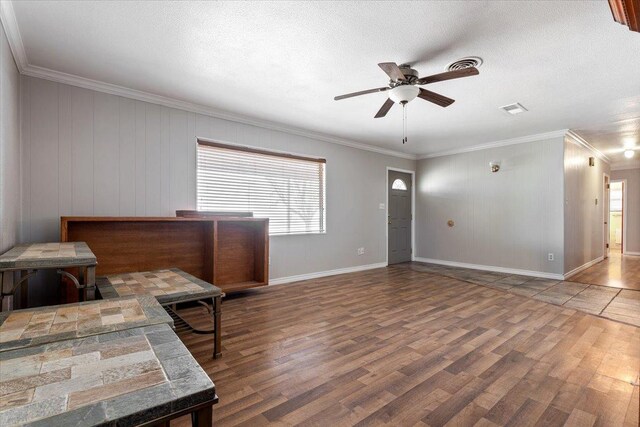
x: 287, y: 189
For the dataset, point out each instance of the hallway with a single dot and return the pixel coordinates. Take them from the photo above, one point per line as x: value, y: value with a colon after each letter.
x: 618, y: 271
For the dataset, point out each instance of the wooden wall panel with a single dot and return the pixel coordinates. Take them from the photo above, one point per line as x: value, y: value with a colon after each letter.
x: 9, y: 146
x: 142, y: 246
x: 236, y: 254
x: 167, y: 168
x: 127, y: 163
x: 153, y: 145
x: 231, y: 253
x: 82, y: 151
x: 65, y: 150
x: 44, y: 159
x: 179, y: 158
x: 106, y: 164
x: 141, y: 159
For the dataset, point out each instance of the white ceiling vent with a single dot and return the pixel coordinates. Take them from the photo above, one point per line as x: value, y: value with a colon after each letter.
x: 514, y: 109
x: 467, y: 62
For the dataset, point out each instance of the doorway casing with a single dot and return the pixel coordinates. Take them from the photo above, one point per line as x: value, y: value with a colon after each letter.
x: 606, y: 213
x: 624, y: 212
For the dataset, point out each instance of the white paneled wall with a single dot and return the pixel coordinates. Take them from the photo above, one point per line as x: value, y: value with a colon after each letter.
x: 509, y: 219
x: 583, y: 217
x: 9, y: 146
x: 90, y: 153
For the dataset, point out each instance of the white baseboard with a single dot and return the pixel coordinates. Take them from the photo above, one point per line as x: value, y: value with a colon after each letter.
x: 631, y: 253
x: 583, y: 267
x: 531, y: 273
x: 308, y: 276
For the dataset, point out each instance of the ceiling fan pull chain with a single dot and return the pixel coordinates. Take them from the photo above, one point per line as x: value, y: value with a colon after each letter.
x: 404, y: 122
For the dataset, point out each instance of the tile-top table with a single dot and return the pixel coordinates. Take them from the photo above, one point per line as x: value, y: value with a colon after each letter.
x: 136, y: 376
x: 37, y: 256
x: 35, y: 326
x: 169, y: 286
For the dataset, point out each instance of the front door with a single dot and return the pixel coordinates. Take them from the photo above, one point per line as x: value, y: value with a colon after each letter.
x: 399, y: 219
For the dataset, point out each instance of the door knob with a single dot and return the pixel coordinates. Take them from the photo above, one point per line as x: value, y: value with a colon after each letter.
x: 389, y: 219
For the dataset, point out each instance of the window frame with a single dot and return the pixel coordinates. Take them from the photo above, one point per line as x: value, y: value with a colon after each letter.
x: 274, y: 153
x: 404, y: 184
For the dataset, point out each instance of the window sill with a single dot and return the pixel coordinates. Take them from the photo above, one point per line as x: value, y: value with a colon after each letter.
x: 298, y: 234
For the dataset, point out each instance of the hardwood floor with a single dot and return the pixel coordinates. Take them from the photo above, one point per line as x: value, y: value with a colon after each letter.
x: 402, y: 347
x: 618, y: 271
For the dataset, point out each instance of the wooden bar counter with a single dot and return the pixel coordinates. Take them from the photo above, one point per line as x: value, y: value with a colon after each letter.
x: 230, y: 252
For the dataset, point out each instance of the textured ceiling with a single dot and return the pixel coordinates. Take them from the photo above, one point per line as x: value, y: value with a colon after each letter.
x: 567, y: 62
x: 614, y: 138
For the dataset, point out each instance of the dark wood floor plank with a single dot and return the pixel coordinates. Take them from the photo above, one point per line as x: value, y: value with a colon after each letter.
x: 402, y: 347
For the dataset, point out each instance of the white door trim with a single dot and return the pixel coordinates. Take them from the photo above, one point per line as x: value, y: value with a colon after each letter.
x: 606, y: 214
x: 624, y: 213
x: 413, y: 211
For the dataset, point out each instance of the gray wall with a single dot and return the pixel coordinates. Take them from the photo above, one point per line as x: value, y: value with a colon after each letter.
x: 632, y: 244
x: 510, y: 219
x: 90, y: 153
x: 583, y: 218
x: 9, y: 146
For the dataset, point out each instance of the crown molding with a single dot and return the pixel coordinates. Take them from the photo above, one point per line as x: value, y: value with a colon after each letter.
x: 8, y: 19
x: 501, y: 143
x: 623, y: 166
x: 580, y: 140
x: 73, y: 80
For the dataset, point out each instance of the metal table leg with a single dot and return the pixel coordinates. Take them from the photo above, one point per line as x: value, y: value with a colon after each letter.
x: 217, y: 318
x: 9, y: 287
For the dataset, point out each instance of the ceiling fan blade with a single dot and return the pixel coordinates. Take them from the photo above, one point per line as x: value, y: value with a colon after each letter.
x: 392, y: 70
x: 465, y: 72
x: 436, y: 98
x: 362, y: 92
x: 384, y: 109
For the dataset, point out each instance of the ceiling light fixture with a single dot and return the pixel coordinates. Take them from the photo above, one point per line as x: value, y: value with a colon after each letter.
x: 629, y: 154
x: 403, y: 88
x: 514, y: 109
x: 404, y: 93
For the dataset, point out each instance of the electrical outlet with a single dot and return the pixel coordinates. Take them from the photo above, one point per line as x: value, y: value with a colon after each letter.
x: 550, y: 256
x: 360, y: 251
x: 381, y: 206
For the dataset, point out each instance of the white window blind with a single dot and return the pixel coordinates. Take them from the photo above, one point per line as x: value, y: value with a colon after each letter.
x: 287, y: 189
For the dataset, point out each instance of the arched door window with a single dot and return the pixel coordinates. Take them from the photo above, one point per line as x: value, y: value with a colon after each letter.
x: 399, y: 184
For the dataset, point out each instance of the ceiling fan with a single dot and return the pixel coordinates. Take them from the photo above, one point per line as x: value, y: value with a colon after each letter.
x: 403, y: 86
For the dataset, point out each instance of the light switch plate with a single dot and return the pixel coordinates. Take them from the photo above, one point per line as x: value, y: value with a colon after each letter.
x: 381, y: 206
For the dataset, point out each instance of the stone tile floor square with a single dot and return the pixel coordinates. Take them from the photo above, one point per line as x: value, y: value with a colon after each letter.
x: 612, y: 303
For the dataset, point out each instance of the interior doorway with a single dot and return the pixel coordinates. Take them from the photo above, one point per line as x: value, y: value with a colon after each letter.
x: 616, y: 216
x: 399, y: 216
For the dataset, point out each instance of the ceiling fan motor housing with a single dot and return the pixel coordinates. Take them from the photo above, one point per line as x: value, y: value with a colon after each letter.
x: 409, y: 73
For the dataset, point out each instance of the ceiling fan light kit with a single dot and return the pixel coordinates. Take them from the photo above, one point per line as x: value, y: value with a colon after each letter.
x: 404, y: 93
x: 403, y: 87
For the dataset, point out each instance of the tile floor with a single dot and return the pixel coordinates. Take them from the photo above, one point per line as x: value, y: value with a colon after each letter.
x: 613, y: 303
